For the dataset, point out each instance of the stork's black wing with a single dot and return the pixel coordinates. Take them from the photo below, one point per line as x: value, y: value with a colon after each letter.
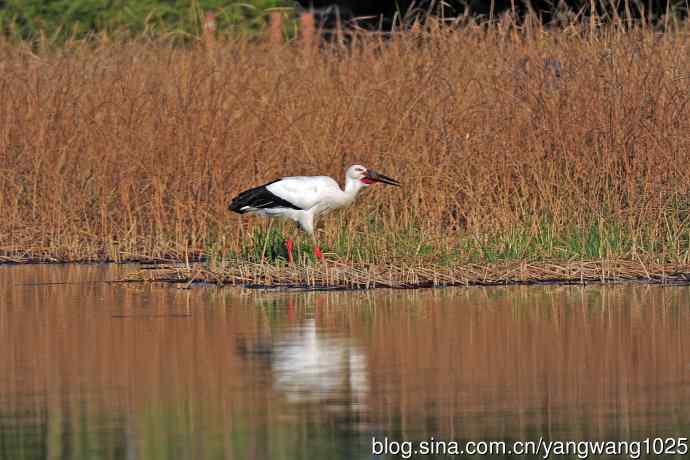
x: 259, y: 198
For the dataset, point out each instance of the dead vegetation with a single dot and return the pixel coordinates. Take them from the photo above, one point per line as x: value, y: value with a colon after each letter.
x: 513, y: 146
x: 356, y: 276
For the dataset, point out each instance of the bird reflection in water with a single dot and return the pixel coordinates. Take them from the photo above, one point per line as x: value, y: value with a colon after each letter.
x: 309, y: 365
x: 312, y: 365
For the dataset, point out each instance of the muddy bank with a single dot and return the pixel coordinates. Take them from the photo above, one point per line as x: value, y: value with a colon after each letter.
x: 335, y: 275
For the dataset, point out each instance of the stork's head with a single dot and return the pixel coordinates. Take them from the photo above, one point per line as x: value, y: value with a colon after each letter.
x: 369, y: 176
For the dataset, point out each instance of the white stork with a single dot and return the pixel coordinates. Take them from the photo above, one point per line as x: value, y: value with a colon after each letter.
x: 302, y: 198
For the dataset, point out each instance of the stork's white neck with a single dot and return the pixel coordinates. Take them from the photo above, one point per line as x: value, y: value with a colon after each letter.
x: 352, y: 188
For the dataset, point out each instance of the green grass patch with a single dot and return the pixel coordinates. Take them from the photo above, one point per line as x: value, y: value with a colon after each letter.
x: 598, y: 239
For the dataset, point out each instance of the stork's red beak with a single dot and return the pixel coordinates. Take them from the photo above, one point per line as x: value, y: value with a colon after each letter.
x: 373, y: 176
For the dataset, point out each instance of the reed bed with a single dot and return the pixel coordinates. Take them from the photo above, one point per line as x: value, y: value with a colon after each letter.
x: 357, y: 276
x: 515, y: 144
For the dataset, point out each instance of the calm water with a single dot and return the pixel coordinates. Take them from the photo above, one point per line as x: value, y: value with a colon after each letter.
x: 91, y: 370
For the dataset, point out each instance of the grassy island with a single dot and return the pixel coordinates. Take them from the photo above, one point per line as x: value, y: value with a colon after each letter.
x: 524, y: 152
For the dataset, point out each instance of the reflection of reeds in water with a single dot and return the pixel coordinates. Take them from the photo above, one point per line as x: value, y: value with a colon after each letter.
x: 593, y: 363
x: 469, y: 363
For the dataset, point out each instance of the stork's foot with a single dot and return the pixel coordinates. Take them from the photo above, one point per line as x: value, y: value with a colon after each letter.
x: 289, y: 251
x: 318, y: 253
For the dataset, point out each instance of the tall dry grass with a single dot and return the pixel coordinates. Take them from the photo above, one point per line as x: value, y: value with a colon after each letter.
x: 510, y: 144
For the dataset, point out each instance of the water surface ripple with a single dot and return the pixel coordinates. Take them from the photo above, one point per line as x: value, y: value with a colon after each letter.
x: 95, y: 370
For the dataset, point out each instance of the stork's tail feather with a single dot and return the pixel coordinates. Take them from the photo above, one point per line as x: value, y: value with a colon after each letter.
x: 244, y: 201
x: 239, y: 202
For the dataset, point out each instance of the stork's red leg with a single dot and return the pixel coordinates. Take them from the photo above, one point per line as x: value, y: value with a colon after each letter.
x: 289, y: 249
x: 290, y: 311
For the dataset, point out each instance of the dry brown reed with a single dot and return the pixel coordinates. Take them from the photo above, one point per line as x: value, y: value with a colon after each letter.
x: 358, y: 276
x: 510, y: 144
